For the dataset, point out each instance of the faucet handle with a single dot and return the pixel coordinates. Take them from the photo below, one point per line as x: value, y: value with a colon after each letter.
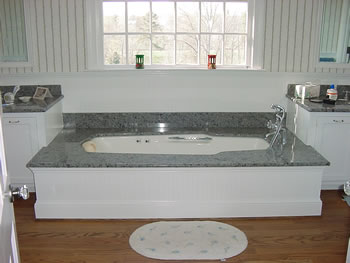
x: 277, y: 108
x: 270, y: 124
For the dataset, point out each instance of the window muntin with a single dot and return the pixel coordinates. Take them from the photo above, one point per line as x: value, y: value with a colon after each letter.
x: 175, y: 32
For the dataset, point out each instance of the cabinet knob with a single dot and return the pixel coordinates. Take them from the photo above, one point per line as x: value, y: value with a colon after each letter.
x: 20, y: 192
x: 338, y: 121
x: 13, y: 122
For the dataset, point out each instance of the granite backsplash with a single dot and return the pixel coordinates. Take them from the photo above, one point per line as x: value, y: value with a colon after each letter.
x: 197, y: 120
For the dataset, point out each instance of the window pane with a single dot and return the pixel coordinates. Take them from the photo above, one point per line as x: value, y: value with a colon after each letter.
x: 187, y: 16
x: 212, y: 17
x: 114, y: 50
x: 236, y: 17
x: 113, y: 17
x: 139, y: 45
x: 163, y: 49
x: 187, y: 49
x: 163, y: 17
x: 138, y: 16
x: 235, y: 50
x: 211, y: 45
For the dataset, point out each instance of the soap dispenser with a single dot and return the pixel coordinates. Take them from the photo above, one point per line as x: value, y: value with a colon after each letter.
x: 9, y: 97
x: 332, y: 93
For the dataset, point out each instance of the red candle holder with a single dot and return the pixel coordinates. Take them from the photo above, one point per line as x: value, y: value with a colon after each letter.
x: 211, y: 61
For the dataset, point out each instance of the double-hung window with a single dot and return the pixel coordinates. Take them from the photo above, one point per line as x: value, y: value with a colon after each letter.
x: 171, y: 33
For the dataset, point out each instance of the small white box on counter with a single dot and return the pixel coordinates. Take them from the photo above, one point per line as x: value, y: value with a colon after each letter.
x: 307, y: 91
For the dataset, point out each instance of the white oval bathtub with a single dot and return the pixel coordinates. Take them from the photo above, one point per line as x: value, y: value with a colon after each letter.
x: 173, y: 144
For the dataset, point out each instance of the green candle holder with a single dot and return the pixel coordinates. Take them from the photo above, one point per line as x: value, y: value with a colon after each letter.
x: 140, y: 61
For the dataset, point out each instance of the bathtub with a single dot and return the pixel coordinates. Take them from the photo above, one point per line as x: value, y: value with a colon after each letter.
x: 94, y: 174
x: 173, y: 144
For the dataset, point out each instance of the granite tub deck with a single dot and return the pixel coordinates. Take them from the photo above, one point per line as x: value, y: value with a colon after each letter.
x: 72, y: 183
x: 66, y: 151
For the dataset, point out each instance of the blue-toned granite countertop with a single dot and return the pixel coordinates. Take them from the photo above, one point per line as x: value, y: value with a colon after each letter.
x: 340, y: 105
x: 65, y: 151
x: 33, y: 105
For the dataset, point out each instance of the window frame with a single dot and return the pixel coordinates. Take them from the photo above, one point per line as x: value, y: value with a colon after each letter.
x: 95, y: 37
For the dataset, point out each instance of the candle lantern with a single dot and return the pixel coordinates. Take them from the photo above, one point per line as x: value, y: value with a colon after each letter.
x: 211, y: 61
x: 140, y: 61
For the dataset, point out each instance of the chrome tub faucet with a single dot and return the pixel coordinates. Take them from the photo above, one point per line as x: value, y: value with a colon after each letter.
x: 277, y: 129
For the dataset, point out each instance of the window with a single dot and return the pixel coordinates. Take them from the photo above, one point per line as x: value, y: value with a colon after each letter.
x: 15, y: 44
x: 172, y: 33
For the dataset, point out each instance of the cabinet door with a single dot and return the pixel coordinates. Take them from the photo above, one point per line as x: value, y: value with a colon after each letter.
x: 21, y: 144
x: 333, y: 142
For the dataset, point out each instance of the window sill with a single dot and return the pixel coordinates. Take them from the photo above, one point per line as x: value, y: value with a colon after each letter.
x: 170, y: 68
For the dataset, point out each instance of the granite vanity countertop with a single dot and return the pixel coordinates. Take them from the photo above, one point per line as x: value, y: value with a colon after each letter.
x: 65, y: 151
x: 340, y: 106
x: 31, y: 106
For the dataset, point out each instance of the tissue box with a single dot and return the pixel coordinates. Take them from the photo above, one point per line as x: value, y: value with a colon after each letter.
x: 307, y: 91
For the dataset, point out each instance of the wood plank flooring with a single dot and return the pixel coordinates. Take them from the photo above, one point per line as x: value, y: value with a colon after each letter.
x: 322, y: 239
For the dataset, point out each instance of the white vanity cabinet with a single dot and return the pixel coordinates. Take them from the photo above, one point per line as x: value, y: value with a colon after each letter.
x: 332, y: 140
x: 24, y: 135
x: 329, y: 134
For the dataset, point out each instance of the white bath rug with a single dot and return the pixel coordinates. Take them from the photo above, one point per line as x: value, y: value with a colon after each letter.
x: 180, y: 240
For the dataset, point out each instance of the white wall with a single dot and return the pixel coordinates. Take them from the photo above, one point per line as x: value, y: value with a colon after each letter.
x: 173, y: 91
x: 60, y: 47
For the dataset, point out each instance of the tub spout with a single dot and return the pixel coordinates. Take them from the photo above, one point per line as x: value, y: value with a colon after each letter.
x: 277, y: 129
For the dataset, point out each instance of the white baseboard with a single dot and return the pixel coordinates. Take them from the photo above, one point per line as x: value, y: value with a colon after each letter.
x: 174, y: 210
x: 333, y: 184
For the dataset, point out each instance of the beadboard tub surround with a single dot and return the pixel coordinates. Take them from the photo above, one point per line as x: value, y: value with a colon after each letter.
x: 122, y: 193
x: 72, y: 183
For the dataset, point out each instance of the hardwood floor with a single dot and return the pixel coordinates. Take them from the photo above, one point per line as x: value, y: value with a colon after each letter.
x: 322, y: 239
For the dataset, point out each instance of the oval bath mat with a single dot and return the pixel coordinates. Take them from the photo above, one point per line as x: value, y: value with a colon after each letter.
x: 180, y: 240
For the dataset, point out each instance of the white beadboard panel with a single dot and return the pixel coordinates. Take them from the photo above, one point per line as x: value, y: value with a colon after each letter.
x: 291, y: 35
x: 63, y: 11
x: 79, y: 15
x: 284, y: 35
x: 49, y: 35
x: 72, y: 36
x: 40, y: 28
x: 299, y: 35
x: 276, y: 35
x: 306, y: 37
x: 56, y: 32
x: 59, y: 41
x: 268, y: 34
x: 313, y: 37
